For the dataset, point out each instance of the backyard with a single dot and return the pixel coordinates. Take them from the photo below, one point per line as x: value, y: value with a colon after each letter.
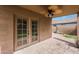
x: 70, y: 36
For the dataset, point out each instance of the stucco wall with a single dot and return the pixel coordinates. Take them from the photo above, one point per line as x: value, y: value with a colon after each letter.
x: 6, y: 26
x: 45, y: 29
x: 6, y: 31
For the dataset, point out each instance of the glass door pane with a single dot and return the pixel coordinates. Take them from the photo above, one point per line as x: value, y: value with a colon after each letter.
x: 34, y: 30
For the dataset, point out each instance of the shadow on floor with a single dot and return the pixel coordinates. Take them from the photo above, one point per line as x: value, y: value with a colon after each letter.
x: 69, y: 43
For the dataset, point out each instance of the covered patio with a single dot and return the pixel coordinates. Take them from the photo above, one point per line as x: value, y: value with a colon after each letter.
x: 28, y: 29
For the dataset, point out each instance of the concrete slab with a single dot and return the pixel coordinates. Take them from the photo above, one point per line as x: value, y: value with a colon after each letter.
x: 50, y: 46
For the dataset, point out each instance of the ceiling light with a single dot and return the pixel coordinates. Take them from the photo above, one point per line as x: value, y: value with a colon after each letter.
x: 50, y: 13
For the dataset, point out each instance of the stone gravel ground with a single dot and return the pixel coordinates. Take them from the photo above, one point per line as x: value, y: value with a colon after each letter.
x: 50, y: 46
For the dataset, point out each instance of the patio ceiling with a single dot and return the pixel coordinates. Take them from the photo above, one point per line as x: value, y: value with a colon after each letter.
x: 43, y: 9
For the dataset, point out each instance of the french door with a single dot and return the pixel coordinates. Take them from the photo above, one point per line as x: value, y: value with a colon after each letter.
x: 22, y: 32
x: 25, y: 34
x: 35, y: 30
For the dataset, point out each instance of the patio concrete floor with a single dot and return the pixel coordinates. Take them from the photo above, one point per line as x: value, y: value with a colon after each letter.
x: 55, y: 45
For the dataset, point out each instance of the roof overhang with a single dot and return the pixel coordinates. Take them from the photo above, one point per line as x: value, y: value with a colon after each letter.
x: 43, y: 9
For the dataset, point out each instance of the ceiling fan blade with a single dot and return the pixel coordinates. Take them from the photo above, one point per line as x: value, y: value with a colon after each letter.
x: 56, y: 9
x: 59, y: 11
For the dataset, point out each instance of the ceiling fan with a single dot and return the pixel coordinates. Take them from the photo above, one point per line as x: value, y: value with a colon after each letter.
x: 53, y: 10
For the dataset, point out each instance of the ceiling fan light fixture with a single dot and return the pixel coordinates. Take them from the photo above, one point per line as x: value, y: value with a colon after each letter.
x: 50, y: 13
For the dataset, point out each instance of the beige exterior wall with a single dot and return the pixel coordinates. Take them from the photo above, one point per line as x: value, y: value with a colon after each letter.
x: 6, y: 32
x: 7, y: 28
x: 45, y: 29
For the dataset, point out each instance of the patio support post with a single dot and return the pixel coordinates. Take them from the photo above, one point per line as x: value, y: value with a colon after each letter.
x: 63, y: 25
x: 56, y: 28
x: 77, y: 41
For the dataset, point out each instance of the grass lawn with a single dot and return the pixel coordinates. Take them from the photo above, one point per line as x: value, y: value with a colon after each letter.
x: 70, y: 36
